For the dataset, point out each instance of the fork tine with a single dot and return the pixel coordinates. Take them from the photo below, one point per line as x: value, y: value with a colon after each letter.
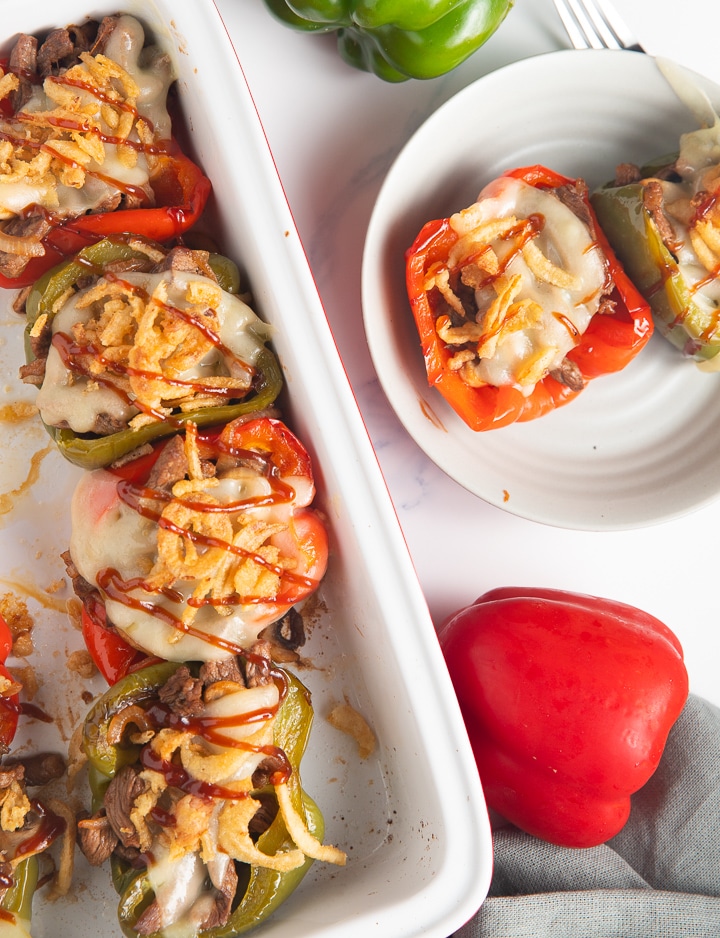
x: 601, y: 22
x: 595, y: 24
x: 608, y: 20
x: 578, y: 38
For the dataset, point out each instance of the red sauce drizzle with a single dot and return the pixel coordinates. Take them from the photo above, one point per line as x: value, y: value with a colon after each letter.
x: 100, y: 95
x: 28, y: 117
x: 211, y: 728
x: 73, y: 354
x: 49, y: 829
x: 569, y: 325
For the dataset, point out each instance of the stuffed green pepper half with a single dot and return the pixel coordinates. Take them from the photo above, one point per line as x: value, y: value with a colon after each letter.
x: 128, y: 341
x: 199, y: 805
x: 663, y: 221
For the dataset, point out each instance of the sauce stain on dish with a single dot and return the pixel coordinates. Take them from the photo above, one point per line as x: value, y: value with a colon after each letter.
x: 17, y: 412
x: 43, y: 597
x: 7, y: 499
x: 431, y: 415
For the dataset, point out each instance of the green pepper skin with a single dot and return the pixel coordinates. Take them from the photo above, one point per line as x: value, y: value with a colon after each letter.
x: 105, y: 758
x: 96, y: 452
x: 18, y: 899
x: 397, y: 39
x: 653, y: 269
x: 265, y: 889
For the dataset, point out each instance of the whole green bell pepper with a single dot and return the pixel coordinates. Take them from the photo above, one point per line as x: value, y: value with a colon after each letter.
x: 263, y: 889
x: 92, y: 451
x: 399, y: 39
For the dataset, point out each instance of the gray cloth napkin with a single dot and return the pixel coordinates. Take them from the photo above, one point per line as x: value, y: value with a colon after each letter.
x: 658, y: 878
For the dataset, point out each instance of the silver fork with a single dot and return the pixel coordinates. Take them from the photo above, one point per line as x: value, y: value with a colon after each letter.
x: 595, y: 24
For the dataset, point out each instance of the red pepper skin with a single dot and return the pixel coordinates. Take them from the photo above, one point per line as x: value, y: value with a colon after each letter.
x: 568, y: 701
x: 10, y: 705
x: 181, y: 191
x: 113, y: 656
x: 608, y: 345
x: 304, y: 544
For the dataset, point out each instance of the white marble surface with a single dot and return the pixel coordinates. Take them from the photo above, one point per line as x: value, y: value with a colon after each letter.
x: 334, y: 132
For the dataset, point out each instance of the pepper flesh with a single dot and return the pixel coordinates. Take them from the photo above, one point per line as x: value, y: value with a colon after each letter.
x: 16, y: 904
x: 16, y: 900
x: 266, y: 889
x: 183, y: 191
x: 91, y: 451
x: 654, y: 269
x: 609, y: 343
x: 397, y: 40
x: 568, y: 701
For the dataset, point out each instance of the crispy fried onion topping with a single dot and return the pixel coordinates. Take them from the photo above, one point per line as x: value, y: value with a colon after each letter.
x: 227, y: 554
x: 93, y: 101
x: 146, y: 344
x: 222, y: 824
x: 705, y: 233
x: 678, y: 203
x: 473, y: 263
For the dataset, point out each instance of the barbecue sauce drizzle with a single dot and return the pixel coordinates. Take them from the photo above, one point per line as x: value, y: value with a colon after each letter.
x: 140, y: 498
x: 72, y: 354
x: 159, y: 148
x: 210, y: 727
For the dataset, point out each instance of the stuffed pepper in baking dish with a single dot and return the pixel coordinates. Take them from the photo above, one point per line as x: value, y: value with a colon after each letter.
x: 87, y: 147
x: 128, y: 341
x: 519, y: 300
x: 190, y: 552
x: 199, y: 805
x: 29, y: 823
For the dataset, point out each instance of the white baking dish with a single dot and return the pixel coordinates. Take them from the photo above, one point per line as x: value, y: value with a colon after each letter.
x: 411, y: 817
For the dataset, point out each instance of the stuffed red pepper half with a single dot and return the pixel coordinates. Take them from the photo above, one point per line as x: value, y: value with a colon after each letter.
x: 189, y: 552
x: 87, y: 146
x: 519, y: 300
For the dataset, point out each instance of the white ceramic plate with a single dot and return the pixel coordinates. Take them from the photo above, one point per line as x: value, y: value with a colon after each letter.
x: 634, y: 448
x: 411, y: 816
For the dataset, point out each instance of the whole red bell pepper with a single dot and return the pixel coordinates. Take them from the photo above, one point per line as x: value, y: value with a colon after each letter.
x: 568, y: 701
x: 610, y: 342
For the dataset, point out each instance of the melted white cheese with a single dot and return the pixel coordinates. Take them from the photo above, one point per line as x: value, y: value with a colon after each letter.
x: 65, y: 400
x: 126, y: 47
x: 20, y: 928
x: 107, y: 534
x: 567, y: 243
x: 177, y: 883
